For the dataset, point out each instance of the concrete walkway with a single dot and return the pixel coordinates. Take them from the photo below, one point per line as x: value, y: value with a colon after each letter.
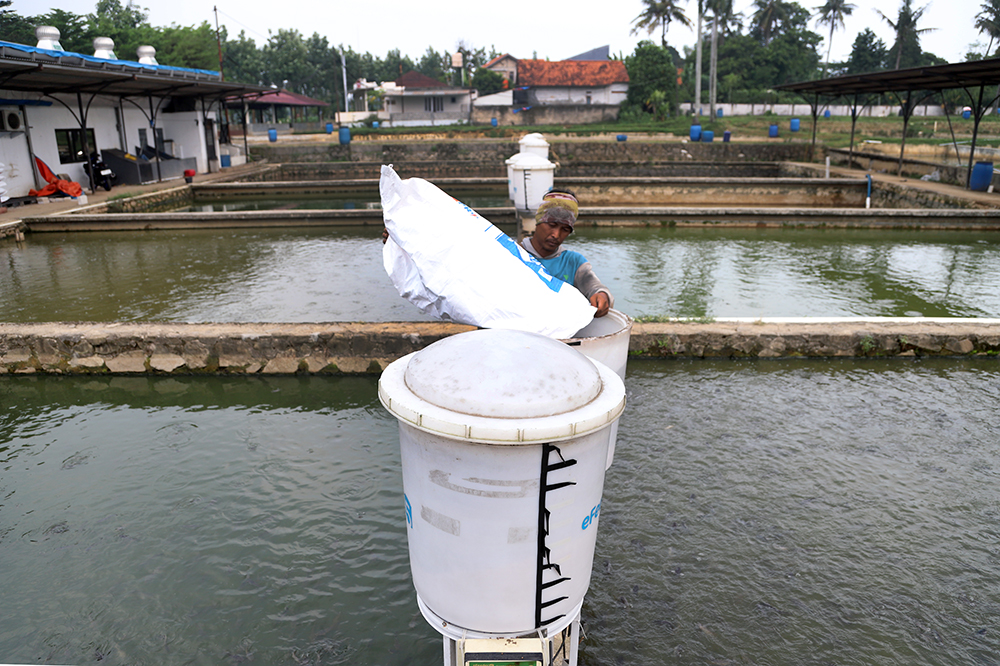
x: 367, y: 348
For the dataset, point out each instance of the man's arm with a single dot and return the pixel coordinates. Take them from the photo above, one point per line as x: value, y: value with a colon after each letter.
x: 590, y: 286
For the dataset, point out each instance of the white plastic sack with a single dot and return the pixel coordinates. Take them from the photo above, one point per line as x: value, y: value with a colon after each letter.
x: 454, y: 264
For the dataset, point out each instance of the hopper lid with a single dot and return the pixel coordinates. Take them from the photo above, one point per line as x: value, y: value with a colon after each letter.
x: 502, y: 386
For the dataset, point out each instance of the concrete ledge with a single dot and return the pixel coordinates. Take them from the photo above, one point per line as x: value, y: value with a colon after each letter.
x: 154, y: 348
x: 367, y: 348
x: 817, y: 338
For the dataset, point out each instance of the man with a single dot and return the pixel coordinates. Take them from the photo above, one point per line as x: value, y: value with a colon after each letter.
x: 554, y: 221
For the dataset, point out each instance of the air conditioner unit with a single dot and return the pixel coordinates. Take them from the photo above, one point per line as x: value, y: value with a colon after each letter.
x: 11, y: 120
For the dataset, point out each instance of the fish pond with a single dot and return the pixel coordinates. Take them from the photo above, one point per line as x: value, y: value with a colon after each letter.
x: 336, y: 274
x: 757, y: 512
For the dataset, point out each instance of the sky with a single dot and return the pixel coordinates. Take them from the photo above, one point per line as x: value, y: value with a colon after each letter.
x: 522, y: 28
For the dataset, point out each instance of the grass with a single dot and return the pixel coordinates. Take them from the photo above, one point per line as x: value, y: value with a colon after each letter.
x: 834, y: 132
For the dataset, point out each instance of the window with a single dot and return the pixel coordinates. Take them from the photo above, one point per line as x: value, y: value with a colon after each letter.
x: 70, y: 145
x: 433, y: 104
x: 588, y: 97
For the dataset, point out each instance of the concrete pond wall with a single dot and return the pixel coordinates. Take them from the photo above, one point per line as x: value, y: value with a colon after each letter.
x: 367, y: 348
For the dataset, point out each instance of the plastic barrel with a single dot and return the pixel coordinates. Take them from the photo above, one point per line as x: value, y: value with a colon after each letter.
x: 696, y: 132
x: 622, y: 137
x: 967, y: 113
x: 718, y: 113
x: 329, y: 128
x: 345, y: 135
x: 493, y: 122
x: 793, y: 124
x: 772, y: 131
x: 272, y: 135
x: 826, y: 114
x: 982, y: 176
x: 707, y: 136
x: 225, y: 161
x: 725, y: 136
x: 375, y: 124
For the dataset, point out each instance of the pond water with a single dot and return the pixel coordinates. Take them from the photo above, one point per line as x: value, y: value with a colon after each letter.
x: 336, y: 274
x: 782, y: 512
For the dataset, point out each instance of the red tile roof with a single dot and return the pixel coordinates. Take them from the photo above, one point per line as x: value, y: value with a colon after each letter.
x: 417, y: 80
x: 577, y: 73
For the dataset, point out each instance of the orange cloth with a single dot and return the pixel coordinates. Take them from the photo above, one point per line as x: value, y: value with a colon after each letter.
x: 54, y: 184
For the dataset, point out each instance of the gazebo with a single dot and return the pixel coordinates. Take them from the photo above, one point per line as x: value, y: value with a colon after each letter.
x: 277, y: 107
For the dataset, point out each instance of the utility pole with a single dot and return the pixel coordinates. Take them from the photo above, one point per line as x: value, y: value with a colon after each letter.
x: 218, y: 41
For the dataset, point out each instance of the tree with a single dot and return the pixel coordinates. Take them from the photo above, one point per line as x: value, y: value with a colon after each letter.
x: 14, y: 27
x: 769, y: 18
x: 435, y: 65
x: 659, y: 14
x: 125, y: 24
x: 832, y: 14
x: 73, y: 32
x: 487, y: 82
x: 651, y: 68
x: 192, y: 47
x: 867, y: 55
x: 906, y: 51
x: 722, y: 12
x: 242, y: 60
x: 988, y: 21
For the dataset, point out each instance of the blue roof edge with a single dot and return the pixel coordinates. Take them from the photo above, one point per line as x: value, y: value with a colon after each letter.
x: 87, y: 58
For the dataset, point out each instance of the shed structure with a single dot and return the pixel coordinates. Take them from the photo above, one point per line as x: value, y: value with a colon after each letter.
x: 978, y: 79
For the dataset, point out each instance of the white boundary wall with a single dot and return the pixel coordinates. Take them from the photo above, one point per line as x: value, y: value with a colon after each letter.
x: 804, y: 110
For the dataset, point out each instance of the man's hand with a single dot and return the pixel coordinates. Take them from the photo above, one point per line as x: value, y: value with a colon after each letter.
x: 600, y: 301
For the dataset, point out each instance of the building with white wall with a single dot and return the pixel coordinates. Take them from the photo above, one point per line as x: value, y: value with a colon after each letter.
x: 61, y: 106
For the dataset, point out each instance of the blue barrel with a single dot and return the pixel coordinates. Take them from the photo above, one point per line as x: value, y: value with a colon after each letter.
x: 622, y: 137
x: 793, y: 124
x: 696, y: 132
x: 493, y: 121
x: 718, y: 113
x: 982, y: 176
x: 329, y: 128
x: 272, y: 135
x: 826, y: 114
x: 772, y: 131
x: 725, y: 136
x: 225, y: 161
x: 345, y: 135
x: 375, y: 124
x: 707, y: 136
x: 966, y: 113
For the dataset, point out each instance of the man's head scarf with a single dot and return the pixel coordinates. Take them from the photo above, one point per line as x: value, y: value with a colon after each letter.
x: 557, y: 208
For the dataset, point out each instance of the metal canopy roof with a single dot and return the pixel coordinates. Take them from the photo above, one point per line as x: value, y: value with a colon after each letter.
x: 939, y: 77
x: 29, y: 69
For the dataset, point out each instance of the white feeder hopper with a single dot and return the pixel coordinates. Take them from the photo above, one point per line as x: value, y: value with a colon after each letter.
x: 503, y: 438
x: 510, y: 162
x: 534, y: 144
x: 147, y: 55
x: 48, y: 38
x: 104, y: 47
x: 531, y: 177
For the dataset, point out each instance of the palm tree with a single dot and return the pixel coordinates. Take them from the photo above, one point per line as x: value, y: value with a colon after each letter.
x: 832, y: 14
x: 907, y: 32
x: 988, y: 21
x: 722, y: 10
x: 659, y: 14
x: 770, y: 15
x: 697, y: 58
